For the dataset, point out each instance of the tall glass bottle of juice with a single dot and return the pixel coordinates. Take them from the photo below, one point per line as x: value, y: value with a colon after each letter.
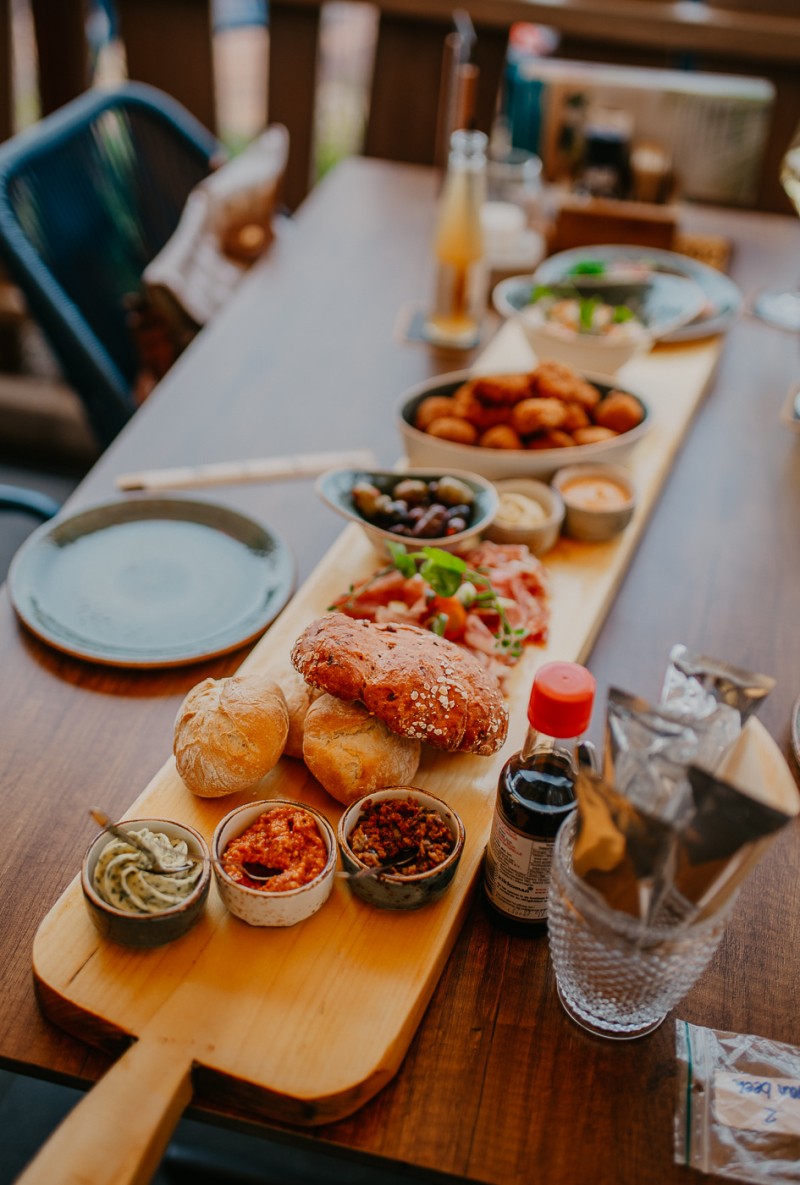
x: 461, y: 277
x: 535, y: 794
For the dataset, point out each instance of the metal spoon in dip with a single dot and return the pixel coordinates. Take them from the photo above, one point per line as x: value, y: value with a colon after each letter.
x: 102, y: 820
x: 262, y: 873
x: 404, y: 856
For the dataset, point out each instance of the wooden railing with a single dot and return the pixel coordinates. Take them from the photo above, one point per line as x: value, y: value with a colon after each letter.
x: 168, y: 43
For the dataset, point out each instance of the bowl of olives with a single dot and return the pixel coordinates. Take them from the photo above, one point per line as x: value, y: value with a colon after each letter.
x: 418, y: 508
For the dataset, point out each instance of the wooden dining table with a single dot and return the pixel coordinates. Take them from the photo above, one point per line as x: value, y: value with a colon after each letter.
x: 498, y: 1085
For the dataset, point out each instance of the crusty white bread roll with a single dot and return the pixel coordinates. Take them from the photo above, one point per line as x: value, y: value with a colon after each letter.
x: 352, y: 753
x: 229, y: 733
x: 299, y: 697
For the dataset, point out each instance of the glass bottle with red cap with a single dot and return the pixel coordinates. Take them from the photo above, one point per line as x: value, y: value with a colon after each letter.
x: 535, y: 794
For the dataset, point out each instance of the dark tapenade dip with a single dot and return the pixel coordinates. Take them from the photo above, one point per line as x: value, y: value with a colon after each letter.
x: 391, y: 828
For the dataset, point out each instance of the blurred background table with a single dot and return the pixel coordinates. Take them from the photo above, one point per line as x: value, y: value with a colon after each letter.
x: 498, y: 1084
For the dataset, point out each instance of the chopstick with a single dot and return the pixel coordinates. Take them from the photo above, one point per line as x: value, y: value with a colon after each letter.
x: 256, y: 469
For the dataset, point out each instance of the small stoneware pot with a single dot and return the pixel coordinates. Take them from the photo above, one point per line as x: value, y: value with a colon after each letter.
x: 152, y: 929
x: 600, y: 520
x: 261, y: 907
x: 540, y: 536
x: 390, y: 890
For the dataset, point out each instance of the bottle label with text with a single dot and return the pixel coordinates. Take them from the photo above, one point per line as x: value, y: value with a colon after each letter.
x: 517, y: 872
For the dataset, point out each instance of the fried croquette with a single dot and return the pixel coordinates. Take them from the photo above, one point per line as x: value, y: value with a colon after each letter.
x: 501, y: 436
x: 618, y: 411
x: 553, y: 438
x: 577, y: 417
x: 469, y: 407
x: 593, y: 434
x: 536, y: 415
x: 453, y: 428
x: 556, y: 380
x: 432, y: 408
x: 502, y: 390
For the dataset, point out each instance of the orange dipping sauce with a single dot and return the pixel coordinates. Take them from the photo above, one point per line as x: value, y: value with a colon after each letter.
x: 595, y: 493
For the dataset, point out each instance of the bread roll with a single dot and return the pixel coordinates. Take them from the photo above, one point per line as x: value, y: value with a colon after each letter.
x: 422, y: 686
x: 229, y: 733
x: 299, y: 697
x: 352, y: 753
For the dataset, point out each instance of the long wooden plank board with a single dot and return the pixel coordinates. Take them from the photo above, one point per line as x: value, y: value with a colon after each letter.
x: 306, y: 1024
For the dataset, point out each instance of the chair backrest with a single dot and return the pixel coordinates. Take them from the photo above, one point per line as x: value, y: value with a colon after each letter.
x: 87, y: 197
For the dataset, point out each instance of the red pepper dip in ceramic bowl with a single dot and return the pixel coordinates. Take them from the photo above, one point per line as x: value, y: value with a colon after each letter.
x: 274, y: 862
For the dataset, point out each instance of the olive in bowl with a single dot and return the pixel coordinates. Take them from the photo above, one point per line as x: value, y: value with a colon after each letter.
x: 419, y: 508
x: 401, y: 847
x: 132, y: 903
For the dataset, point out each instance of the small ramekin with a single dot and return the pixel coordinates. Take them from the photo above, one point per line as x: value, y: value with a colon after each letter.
x: 152, y: 929
x: 393, y: 890
x: 260, y: 907
x: 591, y: 523
x: 541, y: 536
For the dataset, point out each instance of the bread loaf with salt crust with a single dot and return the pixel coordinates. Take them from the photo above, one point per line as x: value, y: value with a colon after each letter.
x: 352, y: 753
x: 229, y: 733
x: 420, y: 685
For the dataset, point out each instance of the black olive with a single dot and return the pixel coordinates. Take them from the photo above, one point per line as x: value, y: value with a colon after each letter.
x: 463, y: 512
x: 432, y: 524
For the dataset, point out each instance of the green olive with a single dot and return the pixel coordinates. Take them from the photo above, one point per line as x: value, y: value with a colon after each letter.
x: 453, y: 492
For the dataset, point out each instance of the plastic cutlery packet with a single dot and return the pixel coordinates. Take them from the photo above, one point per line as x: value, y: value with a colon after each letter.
x: 692, y: 793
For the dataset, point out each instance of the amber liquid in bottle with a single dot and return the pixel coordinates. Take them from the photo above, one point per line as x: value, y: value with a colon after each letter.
x: 459, y: 298
x: 535, y: 795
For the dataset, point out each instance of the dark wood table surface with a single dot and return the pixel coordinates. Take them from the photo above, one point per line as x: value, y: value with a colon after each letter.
x: 498, y: 1086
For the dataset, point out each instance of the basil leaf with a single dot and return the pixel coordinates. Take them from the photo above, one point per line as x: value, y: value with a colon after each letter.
x: 438, y: 624
x: 539, y: 292
x: 588, y: 267
x: 405, y: 563
x: 622, y: 313
x: 586, y: 311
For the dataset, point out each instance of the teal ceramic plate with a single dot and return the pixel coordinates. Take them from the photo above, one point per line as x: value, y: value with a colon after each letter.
x: 722, y: 299
x: 150, y: 582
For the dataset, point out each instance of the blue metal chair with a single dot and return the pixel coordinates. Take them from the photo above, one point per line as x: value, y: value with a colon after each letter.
x: 88, y: 197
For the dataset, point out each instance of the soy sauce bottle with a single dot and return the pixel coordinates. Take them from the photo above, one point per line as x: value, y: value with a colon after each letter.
x: 535, y: 794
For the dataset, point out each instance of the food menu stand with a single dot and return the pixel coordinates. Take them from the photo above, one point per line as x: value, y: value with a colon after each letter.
x: 493, y: 1079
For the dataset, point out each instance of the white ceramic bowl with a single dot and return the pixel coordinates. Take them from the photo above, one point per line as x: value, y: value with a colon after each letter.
x: 152, y: 929
x: 393, y: 890
x: 584, y: 351
x: 595, y: 523
x: 335, y: 488
x: 260, y: 907
x: 541, y: 536
x: 424, y: 450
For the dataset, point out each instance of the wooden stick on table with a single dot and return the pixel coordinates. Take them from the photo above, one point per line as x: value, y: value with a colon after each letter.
x: 256, y: 469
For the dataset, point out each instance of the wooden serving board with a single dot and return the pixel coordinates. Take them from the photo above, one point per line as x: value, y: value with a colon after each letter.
x: 305, y: 1024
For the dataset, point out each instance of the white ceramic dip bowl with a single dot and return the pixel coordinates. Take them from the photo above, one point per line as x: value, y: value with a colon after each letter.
x: 262, y: 906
